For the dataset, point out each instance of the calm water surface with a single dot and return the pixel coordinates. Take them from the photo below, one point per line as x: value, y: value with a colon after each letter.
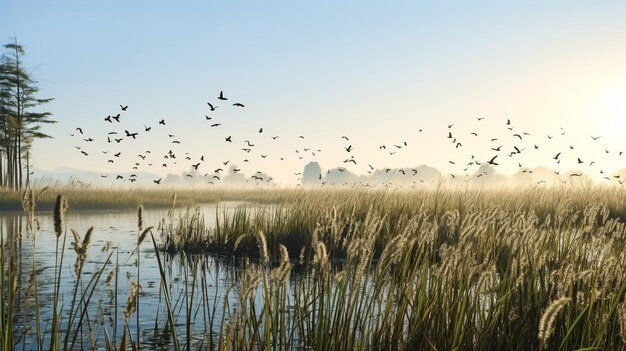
x: 36, y: 252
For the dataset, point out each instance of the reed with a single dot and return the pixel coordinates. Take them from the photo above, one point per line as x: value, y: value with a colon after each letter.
x: 465, y: 269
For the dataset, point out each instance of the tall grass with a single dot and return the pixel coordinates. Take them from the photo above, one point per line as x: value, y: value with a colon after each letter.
x: 452, y: 270
x: 465, y: 269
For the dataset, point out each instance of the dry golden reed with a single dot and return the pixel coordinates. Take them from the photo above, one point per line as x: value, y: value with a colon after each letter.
x: 546, y: 323
x: 140, y: 217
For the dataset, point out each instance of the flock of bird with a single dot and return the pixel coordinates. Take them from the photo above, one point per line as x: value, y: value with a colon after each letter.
x: 512, y: 146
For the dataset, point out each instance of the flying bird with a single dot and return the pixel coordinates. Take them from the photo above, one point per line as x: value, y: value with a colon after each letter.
x: 491, y: 162
x: 221, y: 97
x: 128, y: 134
x: 238, y: 104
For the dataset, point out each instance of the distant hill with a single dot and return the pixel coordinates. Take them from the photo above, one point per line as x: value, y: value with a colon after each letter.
x: 486, y: 175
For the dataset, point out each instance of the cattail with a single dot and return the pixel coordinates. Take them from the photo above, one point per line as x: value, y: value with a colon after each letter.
x: 260, y: 237
x: 284, y: 253
x: 80, y: 247
x: 281, y: 274
x: 140, y: 217
x: 59, y: 215
x: 31, y: 202
x: 546, y: 323
x: 77, y: 242
x: 87, y: 239
x: 131, y: 302
x: 143, y: 235
x: 173, y: 200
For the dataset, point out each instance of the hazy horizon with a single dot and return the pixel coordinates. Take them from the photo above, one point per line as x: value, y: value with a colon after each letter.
x: 379, y: 74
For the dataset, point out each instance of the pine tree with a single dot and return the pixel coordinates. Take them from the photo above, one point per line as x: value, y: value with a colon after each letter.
x: 20, y: 124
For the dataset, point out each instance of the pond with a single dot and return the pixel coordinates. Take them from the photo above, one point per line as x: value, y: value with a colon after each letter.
x: 113, y: 244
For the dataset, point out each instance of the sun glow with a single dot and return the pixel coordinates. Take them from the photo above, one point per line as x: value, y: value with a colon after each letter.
x: 611, y: 113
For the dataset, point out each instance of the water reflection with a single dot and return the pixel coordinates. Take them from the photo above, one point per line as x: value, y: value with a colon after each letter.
x: 196, y: 285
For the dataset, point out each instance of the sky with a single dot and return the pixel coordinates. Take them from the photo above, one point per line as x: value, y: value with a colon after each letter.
x: 375, y: 72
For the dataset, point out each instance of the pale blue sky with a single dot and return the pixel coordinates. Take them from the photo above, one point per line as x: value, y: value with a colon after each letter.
x: 375, y: 71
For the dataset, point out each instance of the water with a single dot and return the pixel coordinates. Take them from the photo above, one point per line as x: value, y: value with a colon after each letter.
x: 36, y: 252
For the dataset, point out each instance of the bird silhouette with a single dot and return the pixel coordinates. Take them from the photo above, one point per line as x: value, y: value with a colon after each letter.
x: 491, y: 162
x: 229, y: 139
x: 128, y: 134
x: 116, y: 118
x: 238, y: 104
x: 211, y: 106
x: 157, y: 181
x: 162, y: 122
x: 221, y: 97
x: 595, y: 138
x: 216, y: 124
x: 108, y: 119
x: 80, y: 130
x: 124, y: 107
x: 147, y: 129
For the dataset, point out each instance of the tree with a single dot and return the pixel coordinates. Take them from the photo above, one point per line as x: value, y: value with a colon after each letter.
x: 20, y: 123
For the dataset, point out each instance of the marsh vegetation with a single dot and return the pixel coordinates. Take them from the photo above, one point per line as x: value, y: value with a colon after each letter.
x: 311, y: 269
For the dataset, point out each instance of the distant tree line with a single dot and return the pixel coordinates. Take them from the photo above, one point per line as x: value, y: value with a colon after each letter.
x: 20, y: 118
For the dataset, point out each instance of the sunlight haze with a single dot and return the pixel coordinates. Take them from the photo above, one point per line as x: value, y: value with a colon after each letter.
x: 375, y: 72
